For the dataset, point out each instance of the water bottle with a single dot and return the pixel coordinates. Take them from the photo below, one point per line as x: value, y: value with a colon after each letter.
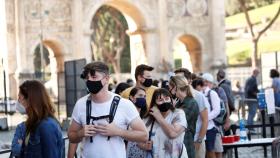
x: 243, y: 133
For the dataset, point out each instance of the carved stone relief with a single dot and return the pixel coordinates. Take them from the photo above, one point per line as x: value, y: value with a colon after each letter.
x: 180, y: 8
x: 176, y: 8
x: 51, y: 10
x: 56, y: 21
x: 197, y: 8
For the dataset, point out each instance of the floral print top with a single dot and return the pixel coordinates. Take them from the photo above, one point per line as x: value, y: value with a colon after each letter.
x: 133, y: 151
x: 164, y: 147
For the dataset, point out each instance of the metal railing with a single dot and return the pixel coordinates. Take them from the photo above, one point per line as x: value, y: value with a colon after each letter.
x: 276, y: 148
x: 263, y: 125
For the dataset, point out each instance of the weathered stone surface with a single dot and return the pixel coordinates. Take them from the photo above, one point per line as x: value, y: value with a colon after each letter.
x: 65, y: 25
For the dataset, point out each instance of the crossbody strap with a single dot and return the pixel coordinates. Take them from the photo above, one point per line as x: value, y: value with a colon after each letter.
x: 181, y: 152
x: 150, y: 136
x: 151, y: 130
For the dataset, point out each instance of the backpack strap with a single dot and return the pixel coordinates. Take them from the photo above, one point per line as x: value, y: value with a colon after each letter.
x: 111, y: 115
x: 209, y: 99
x: 99, y: 118
x: 113, y: 109
x: 88, y: 113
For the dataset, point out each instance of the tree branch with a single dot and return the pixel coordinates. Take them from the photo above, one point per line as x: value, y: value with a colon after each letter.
x: 269, y: 24
x: 245, y: 10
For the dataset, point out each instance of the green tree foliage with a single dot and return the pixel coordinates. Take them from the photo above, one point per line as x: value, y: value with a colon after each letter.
x: 110, y: 43
x: 256, y: 34
x: 233, y: 6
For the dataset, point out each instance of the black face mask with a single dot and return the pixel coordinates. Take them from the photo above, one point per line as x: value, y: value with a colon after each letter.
x: 140, y: 103
x: 94, y: 86
x: 164, y: 106
x: 148, y: 82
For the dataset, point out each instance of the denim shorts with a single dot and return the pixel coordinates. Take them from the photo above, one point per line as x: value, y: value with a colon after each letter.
x: 210, y: 139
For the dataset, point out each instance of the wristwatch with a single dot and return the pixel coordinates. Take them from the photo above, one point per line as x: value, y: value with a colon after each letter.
x: 199, y: 140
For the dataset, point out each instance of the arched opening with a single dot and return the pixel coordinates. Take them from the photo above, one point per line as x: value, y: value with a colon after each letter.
x: 133, y: 53
x: 187, y: 53
x: 41, y: 62
x: 48, y: 70
x: 110, y: 43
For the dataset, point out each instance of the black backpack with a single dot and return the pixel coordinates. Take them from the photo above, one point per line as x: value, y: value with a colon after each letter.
x: 111, y: 115
x: 221, y: 118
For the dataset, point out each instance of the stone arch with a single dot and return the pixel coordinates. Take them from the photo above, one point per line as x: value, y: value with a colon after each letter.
x: 57, y: 68
x: 136, y: 12
x: 56, y: 49
x: 56, y: 52
x: 193, y: 46
x: 139, y: 23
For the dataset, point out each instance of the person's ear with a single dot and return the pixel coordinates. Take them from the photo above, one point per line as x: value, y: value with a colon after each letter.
x: 131, y: 98
x: 107, y: 78
x: 140, y: 78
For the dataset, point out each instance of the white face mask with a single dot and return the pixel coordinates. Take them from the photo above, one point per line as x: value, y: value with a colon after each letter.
x: 20, y: 108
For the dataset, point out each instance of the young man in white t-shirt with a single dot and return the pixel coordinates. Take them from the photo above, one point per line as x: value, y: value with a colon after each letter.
x: 213, y: 142
x: 103, y: 139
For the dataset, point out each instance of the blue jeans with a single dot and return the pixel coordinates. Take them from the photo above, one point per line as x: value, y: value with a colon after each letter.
x: 253, y: 106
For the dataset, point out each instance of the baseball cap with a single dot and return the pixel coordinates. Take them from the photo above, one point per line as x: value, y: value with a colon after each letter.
x: 93, y: 67
x: 208, y: 77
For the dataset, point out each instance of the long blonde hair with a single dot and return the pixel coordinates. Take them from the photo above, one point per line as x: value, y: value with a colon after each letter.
x: 181, y: 83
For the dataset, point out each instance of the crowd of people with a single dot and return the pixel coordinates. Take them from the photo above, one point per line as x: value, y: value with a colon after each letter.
x: 177, y: 119
x: 183, y: 117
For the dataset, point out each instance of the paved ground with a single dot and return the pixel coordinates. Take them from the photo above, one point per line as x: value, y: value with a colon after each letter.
x: 253, y: 152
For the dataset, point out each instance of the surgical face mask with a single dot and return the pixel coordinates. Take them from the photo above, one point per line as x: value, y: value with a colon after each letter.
x: 148, y: 82
x: 20, y: 108
x: 140, y: 103
x: 164, y: 106
x: 94, y: 86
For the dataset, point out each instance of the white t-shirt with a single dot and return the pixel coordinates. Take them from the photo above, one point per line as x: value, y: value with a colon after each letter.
x: 212, y: 114
x: 201, y: 101
x: 101, y: 147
